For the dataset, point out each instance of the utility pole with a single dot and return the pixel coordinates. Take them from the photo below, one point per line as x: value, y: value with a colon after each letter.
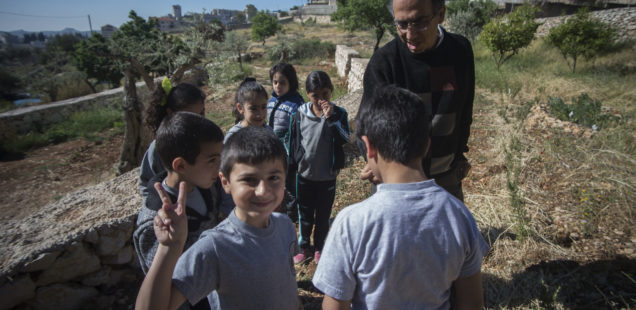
x: 90, y: 26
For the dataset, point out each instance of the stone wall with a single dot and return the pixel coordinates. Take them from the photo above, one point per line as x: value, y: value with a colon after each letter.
x: 73, y: 252
x: 39, y: 117
x: 356, y: 74
x: 344, y: 54
x: 624, y: 19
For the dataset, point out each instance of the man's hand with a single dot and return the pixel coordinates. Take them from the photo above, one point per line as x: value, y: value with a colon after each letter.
x: 367, y: 174
x: 327, y: 108
x: 171, y: 224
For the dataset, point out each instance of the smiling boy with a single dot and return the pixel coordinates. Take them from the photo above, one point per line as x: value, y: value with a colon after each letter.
x: 246, y: 261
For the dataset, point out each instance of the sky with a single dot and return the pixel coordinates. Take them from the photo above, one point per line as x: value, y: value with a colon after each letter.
x: 55, y: 15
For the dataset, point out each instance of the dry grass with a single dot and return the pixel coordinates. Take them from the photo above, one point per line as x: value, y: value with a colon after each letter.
x: 576, y: 187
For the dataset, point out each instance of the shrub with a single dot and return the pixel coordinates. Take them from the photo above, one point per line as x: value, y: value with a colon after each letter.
x: 302, y: 49
x: 583, y: 36
x: 469, y: 17
x: 583, y: 111
x: 505, y: 37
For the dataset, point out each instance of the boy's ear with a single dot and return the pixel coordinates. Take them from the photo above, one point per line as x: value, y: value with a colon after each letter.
x: 178, y: 165
x: 225, y: 182
x: 239, y: 108
x: 372, y: 151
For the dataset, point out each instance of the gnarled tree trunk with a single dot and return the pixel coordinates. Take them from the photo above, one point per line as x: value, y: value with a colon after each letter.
x: 132, y: 149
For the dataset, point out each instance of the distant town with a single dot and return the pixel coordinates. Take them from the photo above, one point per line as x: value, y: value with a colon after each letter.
x: 176, y: 22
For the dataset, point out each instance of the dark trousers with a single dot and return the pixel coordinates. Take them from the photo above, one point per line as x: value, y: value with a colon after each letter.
x: 315, y: 199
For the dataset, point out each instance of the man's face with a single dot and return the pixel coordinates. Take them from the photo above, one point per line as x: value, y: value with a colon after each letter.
x: 417, y: 23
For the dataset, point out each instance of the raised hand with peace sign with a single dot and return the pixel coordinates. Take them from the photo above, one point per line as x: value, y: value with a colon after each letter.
x: 171, y: 223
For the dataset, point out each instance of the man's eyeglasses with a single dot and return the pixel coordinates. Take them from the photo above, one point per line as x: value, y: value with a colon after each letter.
x: 419, y: 24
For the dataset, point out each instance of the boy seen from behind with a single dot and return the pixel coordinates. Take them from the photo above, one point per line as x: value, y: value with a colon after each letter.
x: 409, y: 244
x: 246, y: 261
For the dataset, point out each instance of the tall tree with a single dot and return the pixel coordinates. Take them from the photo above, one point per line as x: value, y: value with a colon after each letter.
x: 264, y: 26
x: 362, y: 14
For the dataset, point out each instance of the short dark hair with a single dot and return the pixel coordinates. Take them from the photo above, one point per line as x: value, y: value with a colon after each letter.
x: 396, y: 122
x: 179, y: 98
x: 288, y: 71
x: 181, y: 135
x: 317, y: 80
x: 251, y: 145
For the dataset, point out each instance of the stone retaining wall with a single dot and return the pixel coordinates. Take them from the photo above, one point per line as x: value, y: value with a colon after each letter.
x: 356, y: 74
x: 39, y: 117
x: 73, y: 252
x: 344, y: 54
x: 624, y: 19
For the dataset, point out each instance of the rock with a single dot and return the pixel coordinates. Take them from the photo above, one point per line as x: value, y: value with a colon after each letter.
x: 42, y: 262
x: 63, y: 296
x: 124, y: 256
x: 16, y: 292
x: 351, y: 103
x: 113, y: 237
x: 92, y: 236
x: 98, y: 278
x: 76, y: 261
x: 343, y: 59
x: 70, y: 219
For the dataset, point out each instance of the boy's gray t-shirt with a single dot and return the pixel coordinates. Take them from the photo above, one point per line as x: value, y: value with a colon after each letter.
x: 249, y: 268
x: 402, y: 248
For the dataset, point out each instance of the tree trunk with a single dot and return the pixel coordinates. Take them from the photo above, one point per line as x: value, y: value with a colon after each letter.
x: 91, y: 86
x: 378, y: 35
x: 131, y: 150
x: 240, y: 60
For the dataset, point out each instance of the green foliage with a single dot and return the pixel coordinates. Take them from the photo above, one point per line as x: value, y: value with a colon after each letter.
x: 300, y: 49
x: 583, y: 111
x: 86, y: 124
x: 223, y: 70
x: 237, y: 44
x: 361, y: 14
x: 583, y: 36
x: 9, y: 83
x: 88, y: 58
x: 505, y: 37
x: 264, y: 26
x: 469, y: 17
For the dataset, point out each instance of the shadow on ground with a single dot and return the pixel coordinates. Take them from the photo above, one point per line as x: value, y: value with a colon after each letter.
x: 607, y: 284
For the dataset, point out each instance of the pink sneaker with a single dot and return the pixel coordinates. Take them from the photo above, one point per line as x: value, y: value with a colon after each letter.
x: 302, y: 257
x: 317, y: 257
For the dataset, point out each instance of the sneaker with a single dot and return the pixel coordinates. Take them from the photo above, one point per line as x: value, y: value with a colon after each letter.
x: 302, y: 257
x: 317, y: 257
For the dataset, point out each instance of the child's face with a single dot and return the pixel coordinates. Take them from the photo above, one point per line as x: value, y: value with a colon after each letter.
x: 319, y: 96
x: 254, y: 111
x: 280, y: 84
x: 206, y: 166
x: 257, y: 190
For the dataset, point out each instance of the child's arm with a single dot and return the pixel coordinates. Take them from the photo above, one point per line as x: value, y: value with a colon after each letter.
x: 330, y: 303
x: 171, y: 229
x: 469, y: 292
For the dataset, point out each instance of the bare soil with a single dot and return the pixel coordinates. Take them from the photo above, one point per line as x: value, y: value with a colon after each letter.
x: 48, y: 173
